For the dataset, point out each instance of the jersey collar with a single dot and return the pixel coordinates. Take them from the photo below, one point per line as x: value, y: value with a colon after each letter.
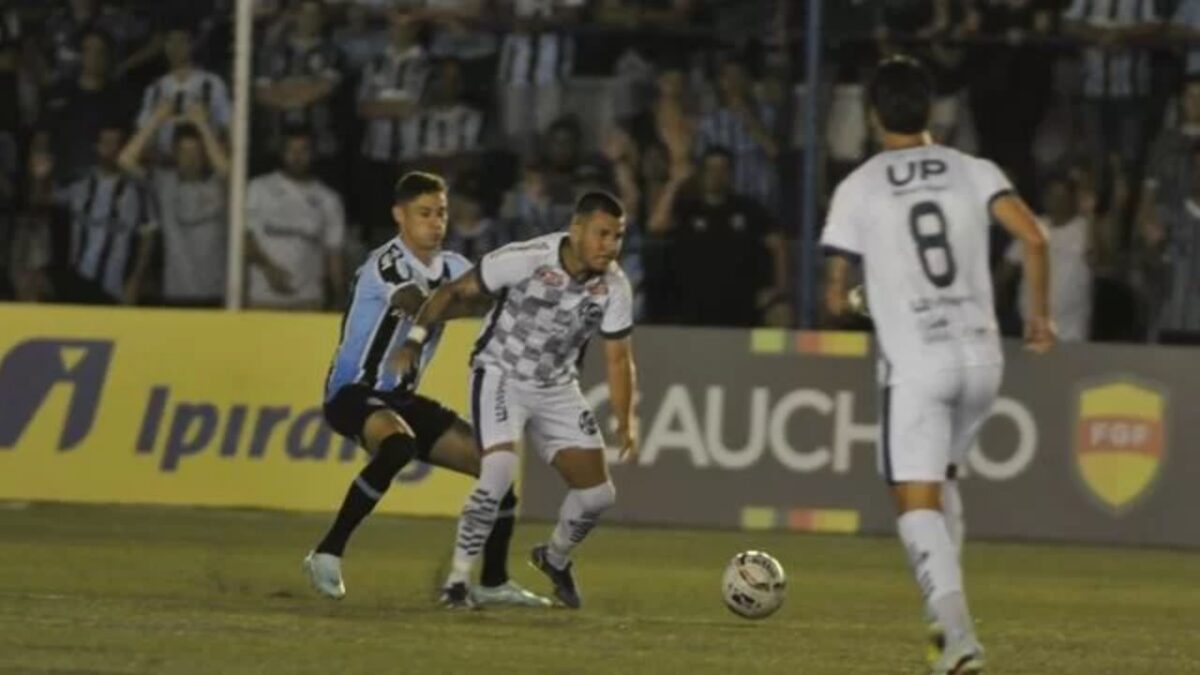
x: 433, y: 271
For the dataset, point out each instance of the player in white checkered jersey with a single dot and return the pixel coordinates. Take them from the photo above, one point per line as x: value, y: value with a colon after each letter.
x: 917, y: 217
x: 553, y: 294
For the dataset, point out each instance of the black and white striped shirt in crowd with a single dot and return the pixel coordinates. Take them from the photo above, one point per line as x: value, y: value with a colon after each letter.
x: 1114, y: 73
x: 196, y: 86
x: 443, y: 132
x: 392, y: 76
x: 539, y: 59
x: 754, y: 172
x: 317, y: 60
x: 109, y: 216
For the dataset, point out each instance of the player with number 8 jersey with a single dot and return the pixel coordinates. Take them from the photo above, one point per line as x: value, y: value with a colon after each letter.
x: 917, y: 218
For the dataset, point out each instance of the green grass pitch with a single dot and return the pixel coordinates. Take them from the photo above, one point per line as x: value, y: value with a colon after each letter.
x: 87, y: 589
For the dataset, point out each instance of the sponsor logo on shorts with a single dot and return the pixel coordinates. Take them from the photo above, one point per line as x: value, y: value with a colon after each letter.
x: 588, y: 424
x: 501, y: 406
x: 1120, y: 440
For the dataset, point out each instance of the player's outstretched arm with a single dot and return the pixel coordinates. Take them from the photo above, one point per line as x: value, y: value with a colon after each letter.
x: 437, y: 308
x: 1012, y: 213
x: 622, y: 382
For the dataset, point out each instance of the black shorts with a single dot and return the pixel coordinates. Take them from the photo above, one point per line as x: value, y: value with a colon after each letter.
x: 350, y: 407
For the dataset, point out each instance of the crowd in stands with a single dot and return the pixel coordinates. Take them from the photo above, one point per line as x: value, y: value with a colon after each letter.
x: 115, y: 122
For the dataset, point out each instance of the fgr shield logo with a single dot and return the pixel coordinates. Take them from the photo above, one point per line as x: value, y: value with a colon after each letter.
x: 1120, y: 441
x: 31, y: 371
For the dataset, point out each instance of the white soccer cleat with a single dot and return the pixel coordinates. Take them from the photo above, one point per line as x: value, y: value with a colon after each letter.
x: 508, y: 594
x: 325, y: 574
x: 963, y: 658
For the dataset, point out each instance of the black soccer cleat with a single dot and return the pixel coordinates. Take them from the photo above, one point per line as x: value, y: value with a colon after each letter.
x: 563, y: 579
x: 457, y: 596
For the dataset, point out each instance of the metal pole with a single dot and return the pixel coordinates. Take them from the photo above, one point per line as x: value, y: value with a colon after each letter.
x: 807, y: 279
x: 239, y: 151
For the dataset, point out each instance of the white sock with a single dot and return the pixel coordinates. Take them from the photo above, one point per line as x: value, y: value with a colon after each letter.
x: 934, y: 561
x: 496, y: 473
x: 952, y: 511
x: 580, y: 511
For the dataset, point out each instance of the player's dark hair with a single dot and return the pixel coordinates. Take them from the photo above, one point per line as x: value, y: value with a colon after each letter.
x: 599, y: 200
x: 414, y: 184
x: 901, y: 93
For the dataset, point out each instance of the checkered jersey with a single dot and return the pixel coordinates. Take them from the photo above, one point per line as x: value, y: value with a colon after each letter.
x: 543, y: 318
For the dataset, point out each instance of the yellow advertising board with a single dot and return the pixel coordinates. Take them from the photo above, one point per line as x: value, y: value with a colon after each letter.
x: 192, y: 407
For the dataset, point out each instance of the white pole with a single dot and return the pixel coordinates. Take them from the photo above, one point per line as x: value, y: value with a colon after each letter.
x: 239, y: 150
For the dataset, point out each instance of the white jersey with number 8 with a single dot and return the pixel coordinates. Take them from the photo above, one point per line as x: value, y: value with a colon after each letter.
x: 919, y: 220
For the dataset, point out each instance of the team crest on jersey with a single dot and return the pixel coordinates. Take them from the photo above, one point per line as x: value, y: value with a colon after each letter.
x: 591, y: 313
x: 1120, y: 441
x: 588, y: 424
x: 699, y: 224
x: 550, y: 277
x: 738, y: 222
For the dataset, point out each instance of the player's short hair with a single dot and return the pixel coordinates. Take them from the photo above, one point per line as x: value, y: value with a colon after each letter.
x: 901, y: 93
x: 414, y: 184
x: 599, y: 200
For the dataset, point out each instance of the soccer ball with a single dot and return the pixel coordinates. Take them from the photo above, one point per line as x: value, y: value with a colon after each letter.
x: 753, y: 585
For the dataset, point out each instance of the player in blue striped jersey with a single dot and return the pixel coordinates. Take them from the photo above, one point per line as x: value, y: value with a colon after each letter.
x: 366, y: 402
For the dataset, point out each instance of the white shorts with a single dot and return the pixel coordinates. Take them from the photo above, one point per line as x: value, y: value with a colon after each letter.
x: 558, y: 417
x: 928, y: 423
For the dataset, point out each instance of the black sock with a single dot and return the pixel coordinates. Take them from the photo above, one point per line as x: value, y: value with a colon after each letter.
x: 368, y: 487
x: 495, y: 549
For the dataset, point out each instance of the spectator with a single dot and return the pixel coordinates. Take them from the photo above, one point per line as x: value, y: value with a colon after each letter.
x: 472, y: 233
x: 535, y: 59
x: 297, y: 79
x: 634, y: 147
x: 184, y: 85
x: 446, y: 136
x: 528, y: 211
x: 111, y: 229
x: 1168, y: 173
x: 745, y: 128
x: 359, y: 41
x: 10, y: 61
x: 1184, y: 27
x: 1116, y: 76
x: 1070, y: 241
x: 75, y: 108
x: 728, y: 260
x: 192, y: 206
x: 565, y: 164
x: 391, y: 89
x: 1170, y: 244
x: 1006, y: 124
x: 25, y: 224
x: 132, y: 45
x: 296, y: 234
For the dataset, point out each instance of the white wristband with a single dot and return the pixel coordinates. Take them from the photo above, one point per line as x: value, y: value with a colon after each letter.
x: 417, y: 335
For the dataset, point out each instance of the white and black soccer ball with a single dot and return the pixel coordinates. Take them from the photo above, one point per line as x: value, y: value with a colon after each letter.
x: 754, y: 585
